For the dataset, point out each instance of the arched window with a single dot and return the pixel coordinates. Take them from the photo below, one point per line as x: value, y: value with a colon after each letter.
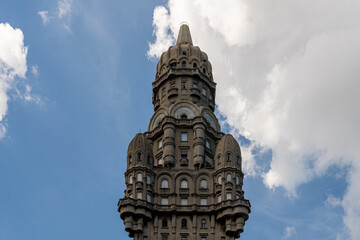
x: 228, y: 157
x: 139, y: 177
x: 183, y: 64
x: 219, y: 159
x: 164, y: 222
x: 204, y: 70
x: 184, y: 183
x: 203, y: 223
x: 219, y: 179
x: 228, y: 177
x: 203, y: 184
x: 148, y: 179
x: 130, y: 179
x: 130, y: 159
x: 164, y: 183
x: 237, y: 160
x: 183, y: 116
x: 194, y: 65
x: 237, y: 180
x: 183, y: 223
x: 139, y: 156
x: 148, y: 159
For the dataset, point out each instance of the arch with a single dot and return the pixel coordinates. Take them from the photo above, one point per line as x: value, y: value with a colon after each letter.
x: 203, y: 184
x: 164, y: 183
x: 184, y: 183
x: 184, y: 110
x: 219, y: 179
x: 157, y: 120
x: 228, y: 177
x: 130, y: 178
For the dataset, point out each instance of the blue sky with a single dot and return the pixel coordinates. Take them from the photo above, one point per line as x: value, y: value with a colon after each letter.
x: 87, y: 91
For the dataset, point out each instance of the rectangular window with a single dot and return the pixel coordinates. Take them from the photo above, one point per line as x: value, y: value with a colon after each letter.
x: 164, y: 201
x: 183, y: 85
x: 184, y: 137
x: 160, y: 143
x: 228, y: 196
x: 183, y: 154
x: 183, y: 202
x: 139, y: 195
x: 145, y: 238
x: 203, y: 201
x: 195, y: 85
x: 148, y: 197
x: 207, y: 143
x: 204, y: 91
x: 219, y: 198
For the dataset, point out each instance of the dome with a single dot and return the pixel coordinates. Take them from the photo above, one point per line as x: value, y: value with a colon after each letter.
x: 228, y: 150
x: 184, y: 56
x: 139, y: 145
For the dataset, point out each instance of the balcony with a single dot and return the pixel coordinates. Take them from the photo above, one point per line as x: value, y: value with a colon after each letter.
x: 164, y: 190
x: 184, y: 190
x: 228, y: 185
x: 218, y: 188
x: 195, y: 93
x: 172, y: 92
x: 139, y: 185
x: 184, y: 162
x: 203, y: 190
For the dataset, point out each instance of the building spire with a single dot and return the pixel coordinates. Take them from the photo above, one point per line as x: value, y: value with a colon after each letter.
x: 184, y: 35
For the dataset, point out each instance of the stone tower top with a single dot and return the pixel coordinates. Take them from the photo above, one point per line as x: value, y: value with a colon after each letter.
x: 184, y: 35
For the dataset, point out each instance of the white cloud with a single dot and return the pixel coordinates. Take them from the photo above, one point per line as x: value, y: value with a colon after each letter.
x: 333, y: 201
x: 35, y: 70
x: 288, y: 232
x: 44, y: 16
x: 62, y: 11
x: 290, y: 70
x: 12, y: 64
x: 64, y: 8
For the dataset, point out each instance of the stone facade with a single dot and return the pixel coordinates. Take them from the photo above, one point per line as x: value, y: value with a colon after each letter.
x: 184, y: 177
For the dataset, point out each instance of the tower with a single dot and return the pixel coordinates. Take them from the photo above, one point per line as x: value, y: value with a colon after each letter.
x: 184, y: 177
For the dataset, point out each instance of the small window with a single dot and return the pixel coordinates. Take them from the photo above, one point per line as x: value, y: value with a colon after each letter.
x: 130, y: 179
x: 203, y: 184
x: 194, y: 65
x: 138, y: 156
x: 183, y: 64
x: 222, y: 238
x: 139, y: 195
x: 228, y: 177
x: 183, y: 85
x: 148, y: 179
x: 219, y: 179
x: 204, y: 70
x: 172, y: 85
x: 164, y: 223
x: 183, y: 116
x: 237, y: 160
x: 203, y: 201
x: 184, y: 183
x: 184, y: 154
x: 148, y: 197
x: 148, y: 159
x: 173, y: 64
x: 210, y: 96
x: 139, y: 177
x: 219, y: 159
x: 203, y: 238
x: 204, y: 91
x: 195, y: 85
x: 203, y: 223
x: 164, y: 201
x: 219, y: 198
x: 207, y: 143
x: 164, y: 183
x: 145, y: 237
x: 183, y: 201
x: 164, y: 92
x: 237, y: 196
x: 228, y: 158
x: 184, y: 137
x: 130, y: 159
x: 237, y: 180
x: 228, y: 196
x: 184, y: 52
x: 166, y: 238
x: 160, y: 143
x: 183, y: 223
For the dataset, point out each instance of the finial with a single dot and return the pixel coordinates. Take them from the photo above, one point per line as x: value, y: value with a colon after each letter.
x: 184, y: 34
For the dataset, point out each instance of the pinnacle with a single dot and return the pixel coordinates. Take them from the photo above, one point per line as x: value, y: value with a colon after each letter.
x: 184, y: 35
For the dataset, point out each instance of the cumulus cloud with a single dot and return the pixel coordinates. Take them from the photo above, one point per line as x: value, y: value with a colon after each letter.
x: 290, y: 70
x: 12, y: 64
x: 62, y: 11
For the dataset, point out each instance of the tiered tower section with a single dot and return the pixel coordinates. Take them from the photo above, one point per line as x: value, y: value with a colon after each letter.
x: 184, y: 178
